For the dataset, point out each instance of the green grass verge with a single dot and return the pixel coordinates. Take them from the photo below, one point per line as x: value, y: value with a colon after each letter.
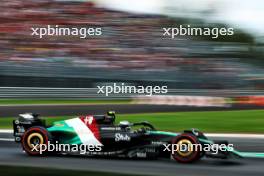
x: 59, y: 101
x: 246, y: 121
x: 25, y: 171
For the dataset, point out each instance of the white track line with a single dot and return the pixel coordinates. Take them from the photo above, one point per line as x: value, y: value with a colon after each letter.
x: 7, y: 139
x: 6, y: 131
x: 252, y: 136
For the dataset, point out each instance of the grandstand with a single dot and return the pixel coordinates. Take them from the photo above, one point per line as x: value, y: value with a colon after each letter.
x: 137, y: 55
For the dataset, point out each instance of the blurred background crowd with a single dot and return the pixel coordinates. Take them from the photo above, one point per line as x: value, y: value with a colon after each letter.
x: 131, y: 49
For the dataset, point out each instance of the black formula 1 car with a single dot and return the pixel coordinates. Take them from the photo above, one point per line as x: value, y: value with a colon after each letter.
x: 132, y: 140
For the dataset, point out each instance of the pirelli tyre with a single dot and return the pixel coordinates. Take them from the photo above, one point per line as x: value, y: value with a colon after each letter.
x: 186, y: 148
x: 33, y: 139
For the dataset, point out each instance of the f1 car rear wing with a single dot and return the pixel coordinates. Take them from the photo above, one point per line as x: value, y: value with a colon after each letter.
x: 25, y: 121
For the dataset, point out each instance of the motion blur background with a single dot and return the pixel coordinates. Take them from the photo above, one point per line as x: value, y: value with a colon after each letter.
x: 132, y: 48
x: 57, y: 76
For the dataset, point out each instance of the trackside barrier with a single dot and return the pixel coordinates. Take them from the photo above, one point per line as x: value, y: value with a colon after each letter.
x: 199, y: 101
x: 250, y: 100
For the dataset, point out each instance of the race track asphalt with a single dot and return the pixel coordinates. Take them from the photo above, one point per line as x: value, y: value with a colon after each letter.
x: 59, y: 110
x: 12, y: 154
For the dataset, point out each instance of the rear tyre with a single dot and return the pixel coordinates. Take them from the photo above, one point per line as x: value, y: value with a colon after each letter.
x: 32, y: 140
x: 189, y: 152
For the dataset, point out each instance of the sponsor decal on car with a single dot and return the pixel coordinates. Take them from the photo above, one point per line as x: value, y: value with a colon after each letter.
x: 122, y: 137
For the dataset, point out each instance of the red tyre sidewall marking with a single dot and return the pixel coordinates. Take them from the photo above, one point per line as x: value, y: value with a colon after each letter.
x: 42, y: 132
x: 193, y: 140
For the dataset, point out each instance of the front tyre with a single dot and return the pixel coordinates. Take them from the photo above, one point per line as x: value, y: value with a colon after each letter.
x: 188, y: 148
x: 33, y: 139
